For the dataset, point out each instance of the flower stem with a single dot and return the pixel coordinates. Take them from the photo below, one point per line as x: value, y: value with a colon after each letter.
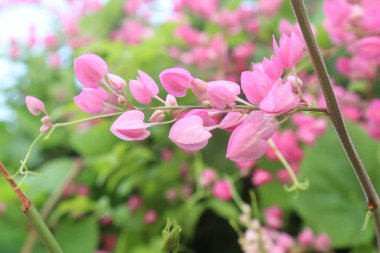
x: 336, y: 115
x: 32, y: 214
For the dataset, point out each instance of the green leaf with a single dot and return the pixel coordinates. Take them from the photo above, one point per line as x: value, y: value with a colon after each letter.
x: 335, y: 203
x: 78, y: 236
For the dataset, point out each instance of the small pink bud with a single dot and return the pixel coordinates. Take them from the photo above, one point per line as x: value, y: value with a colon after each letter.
x: 90, y: 69
x: 273, y: 217
x: 134, y: 203
x: 166, y: 154
x: 170, y: 101
x: 150, y: 217
x: 34, y: 105
x: 322, y: 243
x: 232, y: 120
x: 91, y: 100
x: 280, y: 99
x: 261, y: 177
x: 83, y: 190
x: 208, y: 177
x: 130, y: 126
x: 171, y: 195
x: 106, y: 220
x: 157, y: 116
x: 222, y: 190
x: 109, y: 241
x: 143, y: 88
x: 199, y: 88
x: 189, y: 133
x: 116, y: 82
x: 306, y: 237
x: 255, y: 85
x: 222, y: 93
x: 176, y: 81
x: 290, y: 49
x: 44, y: 128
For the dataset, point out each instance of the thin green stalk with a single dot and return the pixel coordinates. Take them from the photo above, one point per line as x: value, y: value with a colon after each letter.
x: 32, y: 214
x: 336, y: 115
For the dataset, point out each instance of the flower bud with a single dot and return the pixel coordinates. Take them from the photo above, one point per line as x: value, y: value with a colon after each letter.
x: 150, y: 217
x: 199, y: 89
x: 90, y: 69
x: 176, y: 81
x: 157, y: 116
x: 34, y: 105
x: 222, y: 190
x: 116, y: 82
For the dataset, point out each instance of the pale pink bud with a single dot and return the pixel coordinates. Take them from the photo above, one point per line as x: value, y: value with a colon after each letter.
x: 255, y: 85
x: 269, y: 7
x: 176, y: 81
x: 91, y: 100
x: 116, y: 82
x: 280, y: 99
x: 322, y: 243
x: 130, y: 126
x: 273, y: 217
x: 189, y: 133
x: 82, y: 190
x: 134, y: 203
x: 144, y: 88
x: 306, y: 237
x: 171, y: 195
x: 44, y: 128
x: 157, y: 116
x: 248, y: 141
x: 295, y: 81
x: 290, y: 49
x: 170, y: 101
x: 208, y: 177
x: 261, y: 177
x: 199, y: 88
x: 34, y: 105
x: 54, y: 61
x: 90, y: 69
x: 222, y: 190
x: 150, y: 217
x: 222, y: 93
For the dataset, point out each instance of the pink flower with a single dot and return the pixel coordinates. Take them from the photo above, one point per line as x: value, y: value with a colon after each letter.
x: 54, y: 60
x: 222, y: 190
x: 150, y: 217
x: 209, y: 117
x: 189, y: 133
x: 130, y: 126
x: 208, y: 177
x: 255, y: 85
x: 91, y: 100
x: 90, y: 69
x: 176, y: 81
x: 273, y: 68
x: 287, y: 143
x: 309, y: 127
x: 199, y: 88
x: 116, y: 82
x: 261, y: 177
x: 273, y: 217
x: 280, y: 99
x: 367, y: 48
x: 222, y: 93
x: 143, y: 88
x: 322, y: 243
x: 134, y: 203
x: 373, y: 111
x: 306, y: 237
x: 34, y: 105
x: 290, y: 49
x: 357, y: 67
x: 269, y: 7
x: 232, y: 120
x: 248, y: 141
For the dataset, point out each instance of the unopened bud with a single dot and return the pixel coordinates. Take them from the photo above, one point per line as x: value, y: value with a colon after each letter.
x: 295, y: 81
x: 116, y: 82
x: 34, y: 105
x: 170, y: 101
x: 157, y: 116
x: 199, y: 89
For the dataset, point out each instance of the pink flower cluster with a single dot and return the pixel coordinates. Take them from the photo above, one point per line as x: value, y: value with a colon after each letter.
x: 193, y: 129
x: 355, y: 25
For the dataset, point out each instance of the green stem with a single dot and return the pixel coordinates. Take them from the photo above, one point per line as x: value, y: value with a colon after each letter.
x: 335, y: 114
x: 32, y: 214
x: 297, y: 185
x: 43, y: 231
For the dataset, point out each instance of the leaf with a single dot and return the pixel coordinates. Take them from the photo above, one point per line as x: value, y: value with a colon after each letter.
x: 78, y: 236
x: 335, y: 203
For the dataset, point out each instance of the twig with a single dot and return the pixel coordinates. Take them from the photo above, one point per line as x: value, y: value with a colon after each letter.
x: 335, y: 114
